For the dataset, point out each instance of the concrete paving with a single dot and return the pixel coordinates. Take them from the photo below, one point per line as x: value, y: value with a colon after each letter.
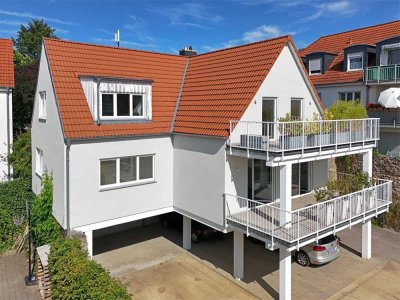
x: 13, y: 269
x: 140, y: 254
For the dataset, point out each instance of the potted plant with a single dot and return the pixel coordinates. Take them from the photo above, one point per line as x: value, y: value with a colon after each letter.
x: 291, y: 133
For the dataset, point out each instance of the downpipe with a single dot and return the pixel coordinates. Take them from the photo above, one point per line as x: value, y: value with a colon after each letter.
x: 8, y: 135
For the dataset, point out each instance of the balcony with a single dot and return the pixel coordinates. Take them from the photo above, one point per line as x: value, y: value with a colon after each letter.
x: 388, y: 117
x: 280, y: 139
x: 303, y: 225
x: 382, y: 74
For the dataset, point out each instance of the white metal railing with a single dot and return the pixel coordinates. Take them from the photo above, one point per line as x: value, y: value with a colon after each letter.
x: 382, y: 74
x: 299, y: 135
x: 293, y: 226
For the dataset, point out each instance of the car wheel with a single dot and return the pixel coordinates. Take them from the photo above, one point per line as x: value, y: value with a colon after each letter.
x: 302, y: 259
x: 165, y: 223
x: 195, y: 237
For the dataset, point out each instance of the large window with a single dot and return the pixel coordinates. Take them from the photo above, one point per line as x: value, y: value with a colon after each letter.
x: 354, y: 61
x: 315, y: 66
x: 126, y: 170
x: 114, y: 105
x: 394, y: 57
x: 296, y: 108
x: 39, y: 168
x: 350, y: 96
x: 42, y: 105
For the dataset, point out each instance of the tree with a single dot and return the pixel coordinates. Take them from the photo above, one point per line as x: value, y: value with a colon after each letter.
x: 341, y: 110
x: 29, y: 39
x: 26, y: 61
x: 21, y: 156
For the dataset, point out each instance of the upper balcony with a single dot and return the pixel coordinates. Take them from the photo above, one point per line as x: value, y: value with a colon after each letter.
x: 297, y: 139
x: 382, y: 74
x: 309, y: 222
x: 388, y: 117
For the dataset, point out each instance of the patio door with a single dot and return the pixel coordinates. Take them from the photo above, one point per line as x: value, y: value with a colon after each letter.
x: 261, y: 180
x: 300, y: 178
x: 269, y: 115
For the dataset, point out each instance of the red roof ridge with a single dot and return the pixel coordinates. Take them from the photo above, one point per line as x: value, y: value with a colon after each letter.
x: 356, y: 29
x: 287, y: 36
x: 111, y: 47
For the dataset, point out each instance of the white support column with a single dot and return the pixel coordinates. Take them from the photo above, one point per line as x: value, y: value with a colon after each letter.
x: 89, y: 241
x: 238, y: 254
x: 187, y: 233
x: 367, y: 162
x: 366, y: 240
x: 285, y: 274
x: 366, y: 227
x: 285, y: 188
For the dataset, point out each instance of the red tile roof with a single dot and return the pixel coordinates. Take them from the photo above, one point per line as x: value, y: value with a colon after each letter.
x: 218, y: 85
x: 336, y: 43
x: 6, y: 63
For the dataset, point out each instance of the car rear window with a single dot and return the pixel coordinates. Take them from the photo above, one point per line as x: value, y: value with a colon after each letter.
x: 326, y: 240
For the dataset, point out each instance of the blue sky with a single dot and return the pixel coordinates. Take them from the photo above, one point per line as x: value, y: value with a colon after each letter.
x: 167, y: 25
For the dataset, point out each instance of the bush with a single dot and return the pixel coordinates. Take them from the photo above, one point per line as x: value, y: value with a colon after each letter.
x: 44, y: 227
x: 392, y: 218
x: 74, y: 276
x: 341, y: 110
x: 21, y: 156
x: 12, y: 210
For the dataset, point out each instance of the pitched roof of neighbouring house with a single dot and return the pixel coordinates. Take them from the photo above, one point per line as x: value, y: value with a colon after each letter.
x: 6, y: 63
x: 218, y: 86
x: 336, y: 43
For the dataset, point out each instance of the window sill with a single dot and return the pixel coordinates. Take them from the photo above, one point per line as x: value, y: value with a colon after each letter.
x: 42, y: 119
x: 125, y: 185
x: 38, y: 174
x: 351, y: 70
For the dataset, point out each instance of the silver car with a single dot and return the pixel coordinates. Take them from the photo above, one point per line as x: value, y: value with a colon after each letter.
x: 326, y: 250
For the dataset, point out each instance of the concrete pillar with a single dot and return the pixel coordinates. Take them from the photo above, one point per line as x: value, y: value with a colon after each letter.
x: 187, y: 233
x: 89, y: 242
x: 367, y: 162
x: 285, y: 189
x: 238, y: 254
x: 366, y: 240
x: 366, y: 227
x: 285, y: 274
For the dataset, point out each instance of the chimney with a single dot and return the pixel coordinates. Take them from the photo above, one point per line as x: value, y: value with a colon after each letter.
x: 187, y: 51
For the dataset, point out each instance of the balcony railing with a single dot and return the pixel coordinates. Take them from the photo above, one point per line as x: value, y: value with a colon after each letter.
x: 294, y: 227
x: 382, y: 74
x: 302, y: 135
x: 388, y: 117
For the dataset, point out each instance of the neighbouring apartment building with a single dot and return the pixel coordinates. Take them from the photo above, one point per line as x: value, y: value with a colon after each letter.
x: 6, y: 87
x: 129, y: 134
x: 359, y: 65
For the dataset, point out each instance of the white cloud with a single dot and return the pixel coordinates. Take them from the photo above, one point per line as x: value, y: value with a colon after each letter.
x: 262, y: 32
x: 343, y: 7
x: 32, y: 16
x: 124, y: 43
x: 188, y: 14
x: 12, y: 22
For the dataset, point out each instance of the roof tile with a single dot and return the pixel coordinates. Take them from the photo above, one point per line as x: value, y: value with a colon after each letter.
x: 6, y: 63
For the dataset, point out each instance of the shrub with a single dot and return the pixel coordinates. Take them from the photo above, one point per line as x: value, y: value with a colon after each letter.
x: 74, y: 276
x: 44, y: 227
x: 21, y: 156
x: 12, y: 210
x: 348, y: 110
x: 392, y: 218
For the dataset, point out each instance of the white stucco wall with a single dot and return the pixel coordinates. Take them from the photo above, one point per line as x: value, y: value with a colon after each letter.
x: 47, y: 135
x: 4, y: 136
x: 89, y: 205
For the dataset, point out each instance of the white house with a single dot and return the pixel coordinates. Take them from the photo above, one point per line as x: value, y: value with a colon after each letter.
x: 359, y: 65
x: 129, y: 134
x: 6, y: 87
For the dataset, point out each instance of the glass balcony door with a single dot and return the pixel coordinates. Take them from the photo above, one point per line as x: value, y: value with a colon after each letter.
x: 300, y: 179
x: 269, y: 115
x: 260, y: 181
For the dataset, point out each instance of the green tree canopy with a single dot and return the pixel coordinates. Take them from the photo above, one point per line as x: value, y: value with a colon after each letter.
x: 29, y: 38
x: 348, y: 110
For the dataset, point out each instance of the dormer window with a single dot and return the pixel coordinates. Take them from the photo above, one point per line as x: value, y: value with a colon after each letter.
x: 355, y: 61
x: 125, y: 106
x: 315, y: 66
x: 394, y: 56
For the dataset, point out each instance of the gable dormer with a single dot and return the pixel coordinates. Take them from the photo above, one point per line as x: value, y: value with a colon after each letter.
x: 388, y: 51
x: 318, y: 62
x: 113, y: 100
x: 358, y: 57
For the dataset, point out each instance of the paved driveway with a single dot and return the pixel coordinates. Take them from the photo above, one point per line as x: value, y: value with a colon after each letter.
x: 151, y: 259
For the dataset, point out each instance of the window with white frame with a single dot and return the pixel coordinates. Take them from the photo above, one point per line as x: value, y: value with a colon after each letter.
x: 350, y: 96
x: 42, y: 105
x: 39, y: 168
x: 122, y: 106
x: 315, y: 66
x: 354, y: 61
x: 126, y: 170
x: 296, y: 109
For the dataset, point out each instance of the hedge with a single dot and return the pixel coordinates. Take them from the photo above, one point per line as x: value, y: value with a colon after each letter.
x: 12, y: 210
x: 74, y: 276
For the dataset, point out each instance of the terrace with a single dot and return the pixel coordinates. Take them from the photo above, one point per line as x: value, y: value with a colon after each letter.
x: 382, y: 74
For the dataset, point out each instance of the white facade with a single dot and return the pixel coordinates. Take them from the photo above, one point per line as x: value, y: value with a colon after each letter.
x: 6, y: 132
